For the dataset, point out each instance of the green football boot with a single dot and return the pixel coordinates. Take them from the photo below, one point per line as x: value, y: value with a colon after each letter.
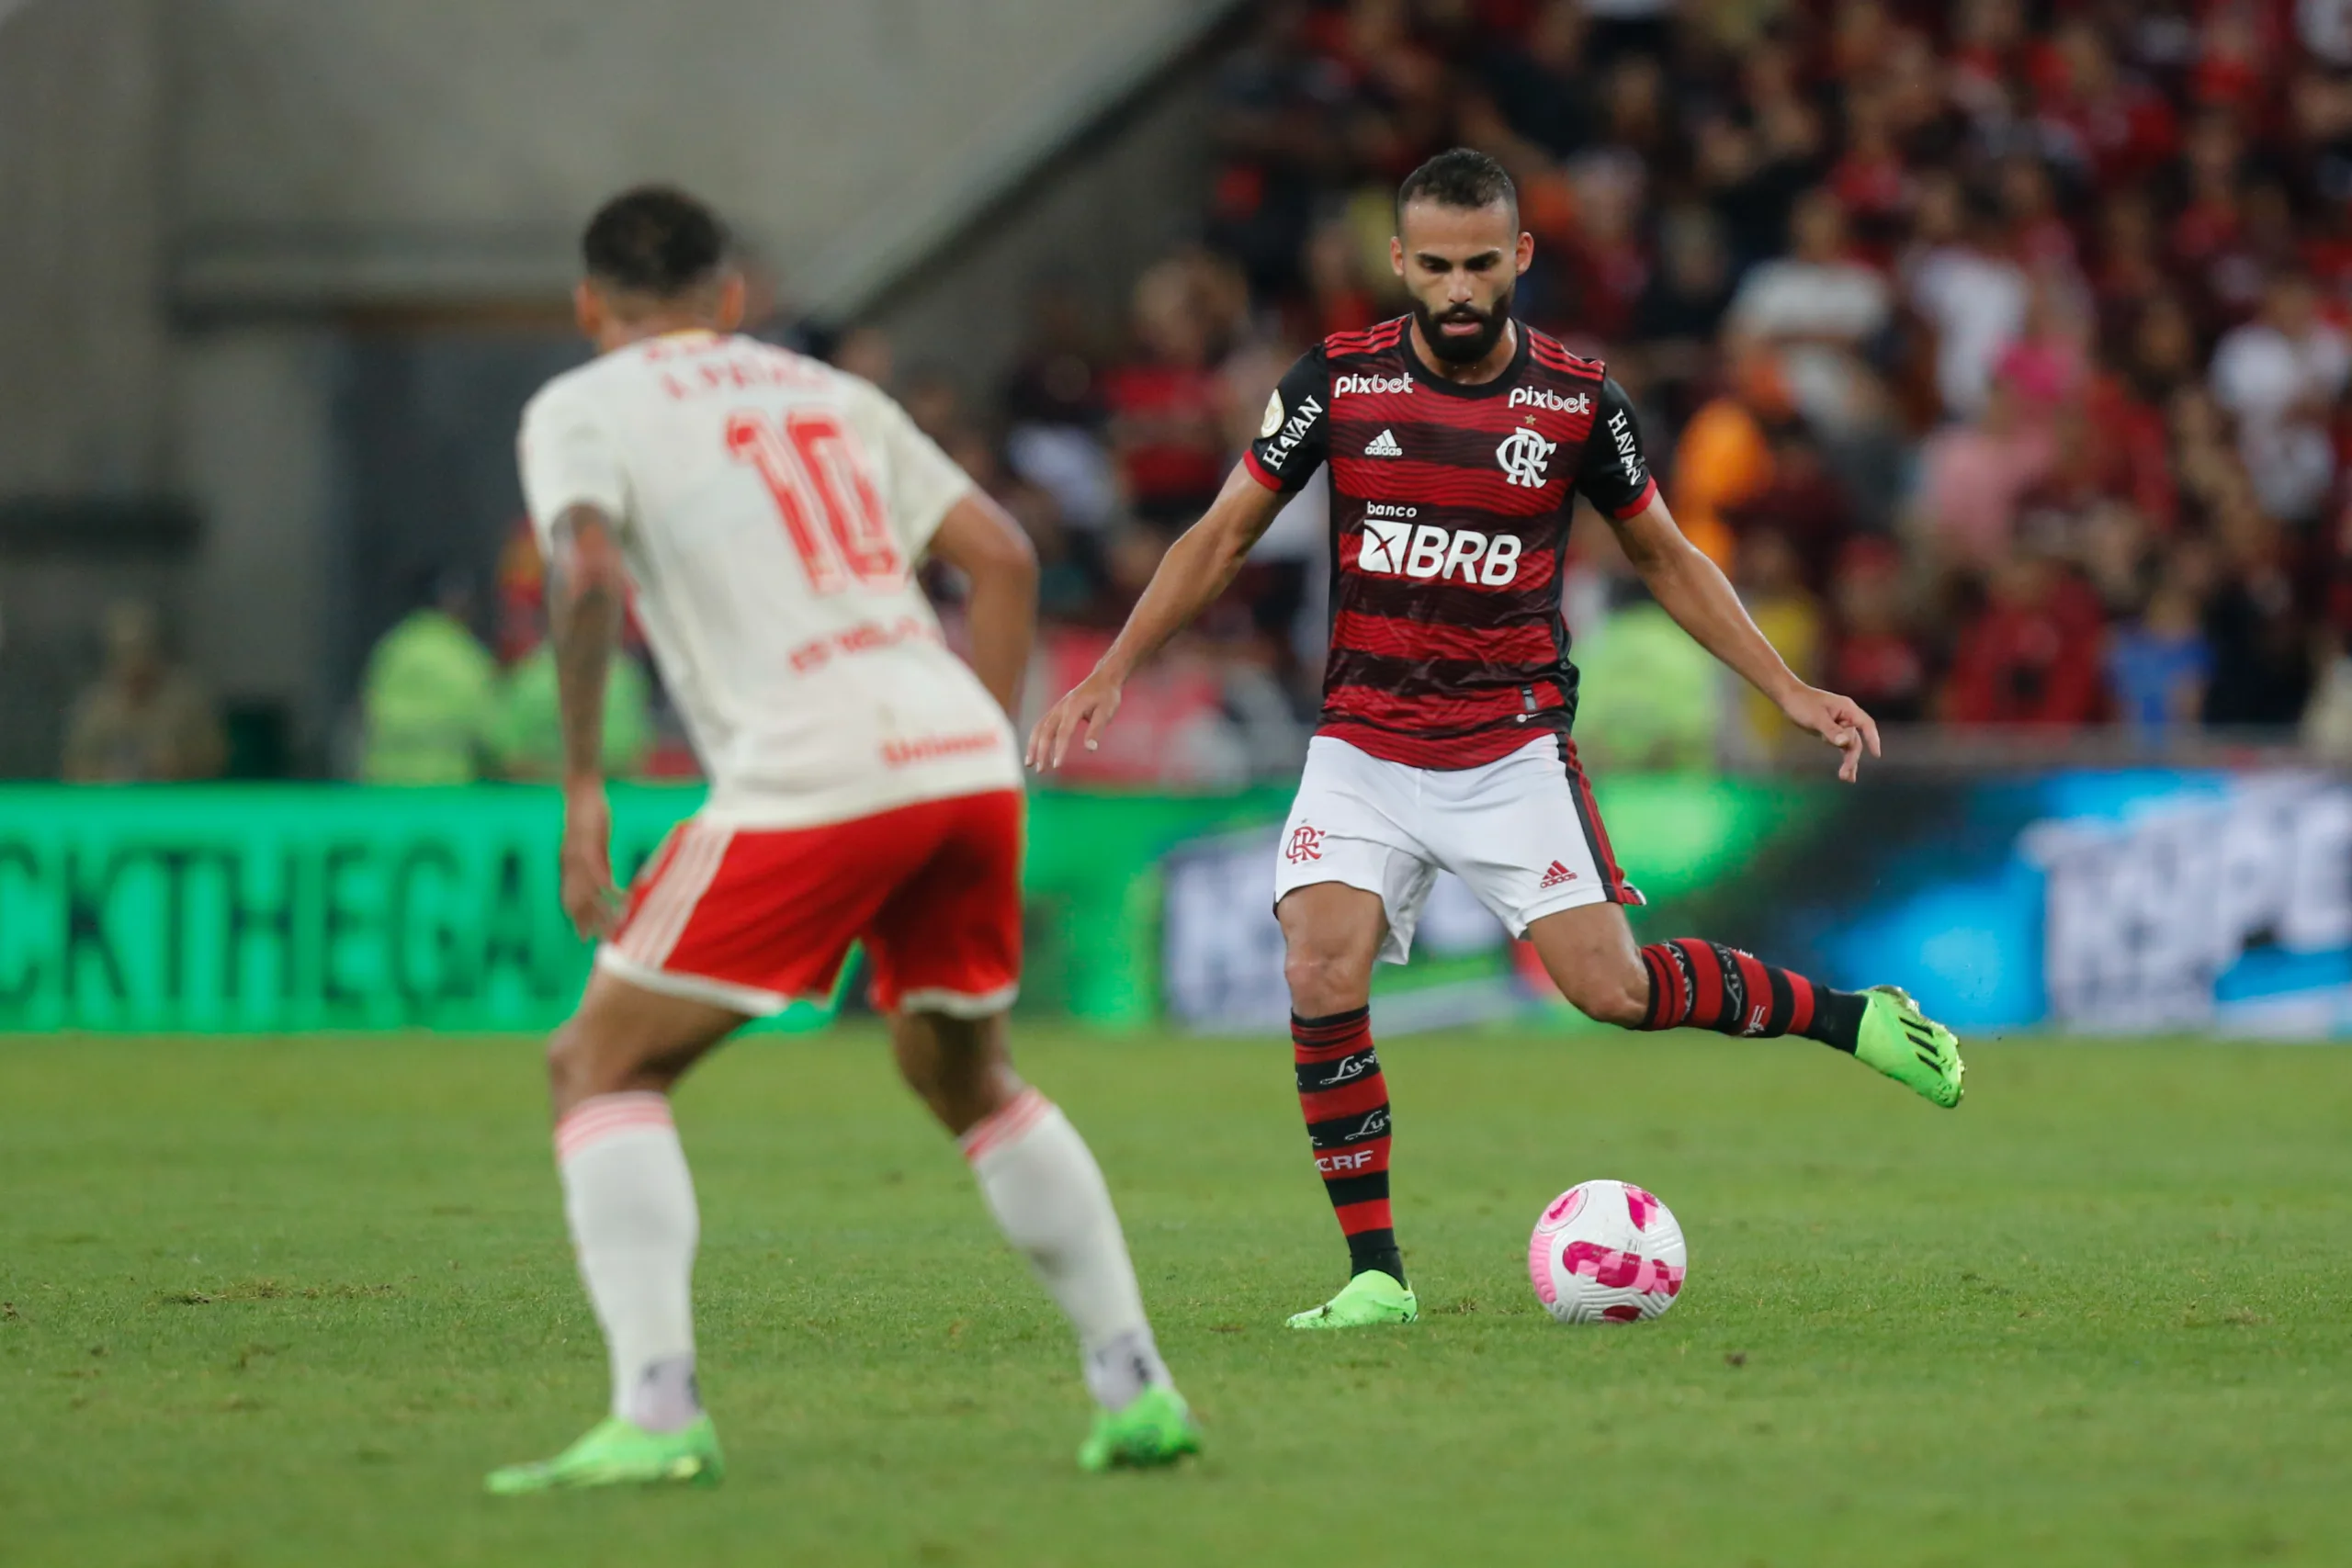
x: 1910, y: 1047
x: 618, y: 1452
x: 1156, y: 1428
x: 1368, y: 1299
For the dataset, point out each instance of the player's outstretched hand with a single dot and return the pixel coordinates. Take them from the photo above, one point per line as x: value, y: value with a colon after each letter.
x: 1838, y: 720
x: 590, y: 898
x: 1084, y: 712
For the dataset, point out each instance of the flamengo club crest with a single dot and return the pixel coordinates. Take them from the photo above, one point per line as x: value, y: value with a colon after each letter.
x: 1523, y: 455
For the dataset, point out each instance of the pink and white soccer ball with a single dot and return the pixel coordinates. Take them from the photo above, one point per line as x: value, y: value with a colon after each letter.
x: 1606, y: 1252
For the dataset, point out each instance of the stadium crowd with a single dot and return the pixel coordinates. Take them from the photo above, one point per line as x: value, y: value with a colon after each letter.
x: 2000, y: 351
x: 1997, y: 350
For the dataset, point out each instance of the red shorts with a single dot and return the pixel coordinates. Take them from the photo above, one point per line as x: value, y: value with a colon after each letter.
x: 755, y: 919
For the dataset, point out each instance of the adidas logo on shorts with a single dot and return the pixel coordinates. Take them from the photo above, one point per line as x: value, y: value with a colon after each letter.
x: 1384, y: 446
x: 1554, y: 877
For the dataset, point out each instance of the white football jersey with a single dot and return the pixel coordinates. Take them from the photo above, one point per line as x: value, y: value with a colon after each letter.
x: 772, y: 509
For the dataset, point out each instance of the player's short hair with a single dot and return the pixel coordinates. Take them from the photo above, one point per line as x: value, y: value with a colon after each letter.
x: 653, y: 240
x: 1460, y: 176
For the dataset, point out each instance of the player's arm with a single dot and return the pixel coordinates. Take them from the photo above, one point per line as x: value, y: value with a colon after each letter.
x: 587, y: 587
x: 1693, y: 590
x: 1197, y: 568
x: 977, y: 538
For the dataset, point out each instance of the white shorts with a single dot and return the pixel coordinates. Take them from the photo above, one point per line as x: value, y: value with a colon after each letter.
x: 1522, y: 831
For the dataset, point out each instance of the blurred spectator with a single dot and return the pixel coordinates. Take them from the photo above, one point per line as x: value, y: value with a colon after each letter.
x: 1771, y: 584
x: 2262, y: 662
x: 429, y: 698
x: 2049, y: 358
x: 2158, y: 667
x: 1649, y: 697
x: 526, y: 727
x: 1167, y: 427
x: 1540, y: 84
x: 1972, y: 476
x: 1871, y: 180
x: 2040, y: 238
x: 1338, y: 296
x: 1724, y: 457
x: 2208, y: 218
x: 144, y: 720
x: 1805, y: 504
x: 2109, y: 124
x: 1958, y: 279
x: 1873, y: 658
x: 1052, y: 404
x: 1681, y: 309
x: 1823, y: 309
x: 2279, y: 375
x: 2031, y: 655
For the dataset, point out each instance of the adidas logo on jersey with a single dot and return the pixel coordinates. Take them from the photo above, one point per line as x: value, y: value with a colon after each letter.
x: 1384, y: 446
x: 1556, y: 876
x: 1544, y: 397
x: 1342, y: 385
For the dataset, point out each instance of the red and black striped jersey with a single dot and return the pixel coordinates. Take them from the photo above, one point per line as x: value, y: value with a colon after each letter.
x: 1450, y: 511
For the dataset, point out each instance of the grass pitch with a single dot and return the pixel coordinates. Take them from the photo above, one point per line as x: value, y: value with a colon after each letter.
x: 284, y: 1302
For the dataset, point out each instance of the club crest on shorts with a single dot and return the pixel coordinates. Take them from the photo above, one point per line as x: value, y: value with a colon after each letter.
x: 1305, y: 844
x: 1523, y: 455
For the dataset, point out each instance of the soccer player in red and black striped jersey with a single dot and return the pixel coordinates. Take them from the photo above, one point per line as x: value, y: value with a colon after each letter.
x: 1457, y: 441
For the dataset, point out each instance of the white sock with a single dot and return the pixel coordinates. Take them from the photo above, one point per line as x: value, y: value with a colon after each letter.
x: 630, y: 1201
x: 1047, y: 1194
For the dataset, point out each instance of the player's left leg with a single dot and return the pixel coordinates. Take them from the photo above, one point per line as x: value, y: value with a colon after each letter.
x: 628, y: 1201
x: 946, y: 952
x: 1570, y: 909
x: 1589, y: 954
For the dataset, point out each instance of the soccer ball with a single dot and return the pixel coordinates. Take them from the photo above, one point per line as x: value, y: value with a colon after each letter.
x: 1606, y: 1252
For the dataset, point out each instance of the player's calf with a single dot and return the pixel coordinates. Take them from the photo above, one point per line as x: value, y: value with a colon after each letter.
x: 1612, y: 995
x: 1693, y: 984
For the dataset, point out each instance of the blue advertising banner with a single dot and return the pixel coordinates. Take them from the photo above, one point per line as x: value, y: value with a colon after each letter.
x: 2111, y: 901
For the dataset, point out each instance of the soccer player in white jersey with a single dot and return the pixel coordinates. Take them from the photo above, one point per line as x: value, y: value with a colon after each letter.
x: 764, y: 513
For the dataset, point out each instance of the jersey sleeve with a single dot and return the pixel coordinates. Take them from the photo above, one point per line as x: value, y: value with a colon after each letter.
x: 920, y: 481
x: 1293, y: 438
x: 568, y: 458
x: 1615, y: 475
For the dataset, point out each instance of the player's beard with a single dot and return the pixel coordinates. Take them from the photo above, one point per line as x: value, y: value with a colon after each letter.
x: 1479, y: 344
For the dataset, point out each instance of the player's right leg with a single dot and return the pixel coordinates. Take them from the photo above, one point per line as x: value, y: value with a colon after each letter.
x: 947, y: 954
x: 1350, y: 881
x: 1331, y: 934
x: 1041, y: 1182
x: 629, y: 1203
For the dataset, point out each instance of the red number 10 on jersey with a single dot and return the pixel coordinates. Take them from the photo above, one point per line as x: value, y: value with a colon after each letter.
x: 817, y: 478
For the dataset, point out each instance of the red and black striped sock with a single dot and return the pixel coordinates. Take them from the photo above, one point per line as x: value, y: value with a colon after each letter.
x: 1704, y: 985
x: 1346, y: 1100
